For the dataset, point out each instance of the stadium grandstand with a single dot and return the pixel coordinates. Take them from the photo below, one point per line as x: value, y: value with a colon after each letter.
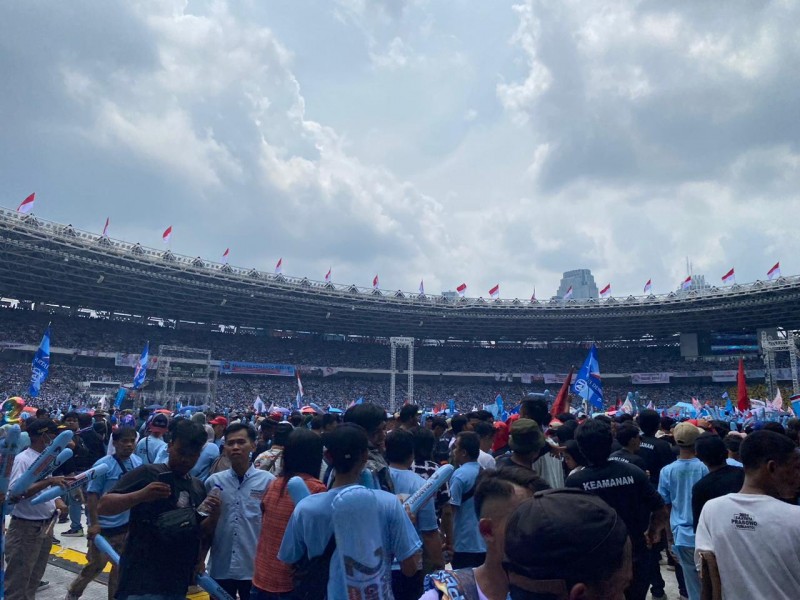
x: 105, y: 298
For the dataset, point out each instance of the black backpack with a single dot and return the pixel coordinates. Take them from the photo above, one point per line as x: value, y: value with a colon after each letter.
x: 311, y: 575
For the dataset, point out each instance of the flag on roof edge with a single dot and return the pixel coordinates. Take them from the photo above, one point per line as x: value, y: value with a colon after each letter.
x: 533, y: 296
x: 495, y: 291
x: 461, y: 289
x: 687, y: 283
x: 376, y: 284
x: 225, y: 255
x: 279, y: 266
x: 605, y: 291
x: 328, y: 275
x: 729, y: 276
x: 568, y: 295
x: 648, y: 286
x: 165, y: 237
x: 421, y: 287
x: 774, y: 271
x: 105, y: 227
x: 26, y: 205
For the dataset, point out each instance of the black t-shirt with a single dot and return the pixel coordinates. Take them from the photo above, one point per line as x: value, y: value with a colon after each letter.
x: 724, y: 481
x: 629, y: 457
x: 626, y: 489
x: 147, y: 566
x: 656, y: 454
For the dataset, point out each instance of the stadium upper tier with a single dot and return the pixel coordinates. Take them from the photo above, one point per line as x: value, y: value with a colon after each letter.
x: 41, y: 261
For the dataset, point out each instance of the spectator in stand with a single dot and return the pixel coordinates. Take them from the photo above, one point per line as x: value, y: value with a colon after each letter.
x: 469, y: 549
x: 272, y: 578
x: 675, y: 486
x: 627, y: 490
x: 722, y: 479
x: 754, y: 535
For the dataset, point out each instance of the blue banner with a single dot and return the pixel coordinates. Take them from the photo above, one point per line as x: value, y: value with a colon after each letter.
x: 588, y: 384
x: 231, y: 367
x: 121, y: 393
x: 41, y: 365
x: 141, y: 367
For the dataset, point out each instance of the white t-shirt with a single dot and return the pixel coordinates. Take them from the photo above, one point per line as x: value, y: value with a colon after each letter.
x: 756, y: 540
x: 486, y: 460
x: 24, y: 509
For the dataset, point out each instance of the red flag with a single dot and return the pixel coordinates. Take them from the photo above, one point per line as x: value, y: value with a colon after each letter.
x: 461, y: 289
x: 105, y: 228
x: 772, y: 273
x: 605, y: 291
x: 533, y: 296
x: 167, y: 234
x: 729, y: 276
x: 279, y: 266
x: 225, y: 255
x: 561, y: 403
x: 26, y: 205
x: 648, y: 286
x: 495, y: 291
x: 376, y: 284
x: 328, y: 275
x: 743, y: 402
x: 687, y: 283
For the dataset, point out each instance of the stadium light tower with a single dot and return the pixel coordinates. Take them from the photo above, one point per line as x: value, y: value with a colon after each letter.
x: 395, y: 343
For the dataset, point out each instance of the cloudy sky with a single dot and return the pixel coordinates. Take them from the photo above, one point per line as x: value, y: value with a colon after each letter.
x: 450, y: 141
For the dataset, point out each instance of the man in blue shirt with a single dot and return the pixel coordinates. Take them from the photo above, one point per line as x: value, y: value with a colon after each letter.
x: 208, y: 455
x: 149, y: 447
x: 114, y: 527
x: 236, y: 534
x: 469, y: 549
x: 675, y: 486
x: 400, y: 456
x: 310, y: 528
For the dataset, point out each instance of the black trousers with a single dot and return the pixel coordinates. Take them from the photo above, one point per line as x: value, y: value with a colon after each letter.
x: 462, y: 560
x: 236, y: 586
x: 407, y: 588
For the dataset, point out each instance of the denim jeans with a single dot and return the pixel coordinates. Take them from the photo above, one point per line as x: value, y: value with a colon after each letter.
x: 75, y: 509
x: 257, y: 594
x: 690, y: 575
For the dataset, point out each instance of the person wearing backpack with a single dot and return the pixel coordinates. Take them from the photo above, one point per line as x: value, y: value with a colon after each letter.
x: 167, y: 537
x: 309, y: 543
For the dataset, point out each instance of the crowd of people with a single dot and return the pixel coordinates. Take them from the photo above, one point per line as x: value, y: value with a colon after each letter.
x: 541, y: 506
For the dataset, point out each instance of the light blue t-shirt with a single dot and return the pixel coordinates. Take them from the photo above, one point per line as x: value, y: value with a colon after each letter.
x: 310, y: 529
x: 208, y: 455
x: 465, y: 524
x: 675, y: 486
x: 406, y: 482
x: 102, y: 483
x: 148, y: 448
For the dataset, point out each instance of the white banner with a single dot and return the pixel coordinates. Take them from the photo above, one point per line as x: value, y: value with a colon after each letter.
x: 123, y: 359
x: 724, y: 376
x: 526, y: 377
x: 551, y: 378
x: 648, y: 378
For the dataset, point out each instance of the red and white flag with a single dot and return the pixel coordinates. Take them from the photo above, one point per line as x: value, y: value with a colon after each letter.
x: 772, y: 273
x: 495, y: 291
x: 696, y: 404
x: 105, y: 227
x: 165, y: 237
x: 648, y: 286
x: 462, y: 289
x: 279, y: 266
x: 328, y: 275
x: 26, y: 205
x: 605, y: 291
x: 533, y: 296
x: 376, y: 284
x: 421, y: 287
x: 729, y: 277
x: 225, y: 255
x: 568, y: 295
x: 687, y: 283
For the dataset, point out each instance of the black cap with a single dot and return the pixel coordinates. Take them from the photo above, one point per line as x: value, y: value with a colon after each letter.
x: 563, y: 534
x: 40, y: 426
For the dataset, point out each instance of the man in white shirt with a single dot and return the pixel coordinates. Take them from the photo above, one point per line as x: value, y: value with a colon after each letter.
x: 30, y: 535
x: 486, y: 432
x: 754, y: 535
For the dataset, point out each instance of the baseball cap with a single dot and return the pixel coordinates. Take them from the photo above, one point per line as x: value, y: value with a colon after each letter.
x: 159, y: 423
x: 40, y: 426
x: 562, y: 534
x: 219, y: 421
x: 526, y: 436
x: 685, y: 434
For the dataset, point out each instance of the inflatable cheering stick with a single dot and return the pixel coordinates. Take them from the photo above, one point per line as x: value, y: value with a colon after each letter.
x: 55, y: 491
x: 360, y: 550
x: 40, y: 465
x: 205, y: 581
x: 104, y: 547
x: 440, y: 477
x: 8, y: 451
x: 297, y: 489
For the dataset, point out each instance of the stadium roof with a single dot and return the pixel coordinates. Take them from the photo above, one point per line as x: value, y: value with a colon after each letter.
x: 41, y: 261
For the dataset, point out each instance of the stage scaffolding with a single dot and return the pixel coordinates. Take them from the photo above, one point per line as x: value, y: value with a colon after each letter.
x: 395, y: 343
x: 769, y: 347
x: 187, y: 368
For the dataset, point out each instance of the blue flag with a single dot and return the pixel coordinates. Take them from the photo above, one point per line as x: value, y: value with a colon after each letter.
x: 121, y: 393
x: 141, y: 367
x: 41, y: 365
x: 452, y: 405
x: 588, y: 384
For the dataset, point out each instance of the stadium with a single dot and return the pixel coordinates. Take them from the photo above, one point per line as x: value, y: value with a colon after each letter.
x: 206, y: 320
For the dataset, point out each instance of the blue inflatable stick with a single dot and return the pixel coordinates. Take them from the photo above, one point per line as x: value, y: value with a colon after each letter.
x: 40, y: 465
x: 55, y: 491
x: 104, y: 547
x: 439, y: 478
x: 205, y: 581
x: 297, y: 489
x: 10, y: 448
